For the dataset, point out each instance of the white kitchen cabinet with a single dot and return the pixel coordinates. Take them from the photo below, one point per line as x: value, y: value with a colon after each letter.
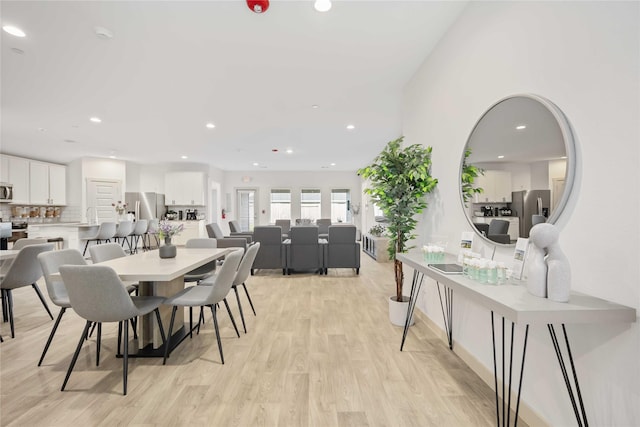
x: 496, y: 185
x: 47, y: 183
x: 19, y: 177
x: 192, y: 230
x: 184, y: 188
x: 4, y: 169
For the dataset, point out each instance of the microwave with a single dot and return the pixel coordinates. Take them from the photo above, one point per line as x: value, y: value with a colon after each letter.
x: 6, y: 192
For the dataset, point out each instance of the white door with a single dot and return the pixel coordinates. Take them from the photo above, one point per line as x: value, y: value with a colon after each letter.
x: 247, y: 208
x: 558, y: 190
x: 100, y: 196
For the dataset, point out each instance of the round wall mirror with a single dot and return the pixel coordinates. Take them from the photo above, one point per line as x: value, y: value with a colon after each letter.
x: 517, y: 168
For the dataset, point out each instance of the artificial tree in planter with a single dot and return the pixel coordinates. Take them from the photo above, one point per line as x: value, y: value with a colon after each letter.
x: 399, y: 179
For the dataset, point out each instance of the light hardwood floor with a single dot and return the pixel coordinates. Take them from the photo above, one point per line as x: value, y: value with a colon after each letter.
x: 321, y: 352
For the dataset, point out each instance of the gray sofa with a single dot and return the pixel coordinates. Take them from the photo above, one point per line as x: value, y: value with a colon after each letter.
x: 214, y: 231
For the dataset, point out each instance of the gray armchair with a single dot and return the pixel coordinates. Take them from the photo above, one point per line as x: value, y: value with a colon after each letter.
x: 342, y: 250
x: 214, y: 231
x: 236, y: 231
x: 271, y: 253
x: 304, y: 252
x: 285, y: 224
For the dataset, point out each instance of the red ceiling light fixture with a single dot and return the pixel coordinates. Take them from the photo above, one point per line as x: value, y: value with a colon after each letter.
x: 258, y: 6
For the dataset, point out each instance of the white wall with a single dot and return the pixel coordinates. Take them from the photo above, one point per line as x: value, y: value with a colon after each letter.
x: 585, y: 58
x: 295, y: 181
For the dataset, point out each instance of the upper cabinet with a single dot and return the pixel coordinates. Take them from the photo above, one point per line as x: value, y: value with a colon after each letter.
x: 19, y: 177
x: 496, y: 186
x: 34, y: 182
x: 47, y: 183
x: 184, y: 188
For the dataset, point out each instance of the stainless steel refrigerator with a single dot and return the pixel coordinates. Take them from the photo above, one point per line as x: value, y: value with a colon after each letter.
x: 525, y: 204
x: 145, y: 205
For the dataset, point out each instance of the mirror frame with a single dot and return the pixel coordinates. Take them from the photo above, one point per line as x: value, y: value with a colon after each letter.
x: 570, y: 150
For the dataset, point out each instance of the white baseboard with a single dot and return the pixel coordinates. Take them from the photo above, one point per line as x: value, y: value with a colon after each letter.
x: 526, y: 414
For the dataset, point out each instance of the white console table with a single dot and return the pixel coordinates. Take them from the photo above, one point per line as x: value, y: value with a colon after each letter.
x: 514, y: 303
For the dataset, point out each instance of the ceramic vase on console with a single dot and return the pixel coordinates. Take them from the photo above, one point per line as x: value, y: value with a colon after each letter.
x: 167, y: 250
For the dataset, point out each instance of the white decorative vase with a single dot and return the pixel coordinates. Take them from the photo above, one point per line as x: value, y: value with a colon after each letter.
x: 398, y: 311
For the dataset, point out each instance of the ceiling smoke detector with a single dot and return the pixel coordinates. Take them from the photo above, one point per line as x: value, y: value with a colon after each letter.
x: 258, y: 6
x: 103, y: 33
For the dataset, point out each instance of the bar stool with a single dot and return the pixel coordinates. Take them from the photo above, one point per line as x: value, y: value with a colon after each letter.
x: 139, y: 229
x: 124, y: 230
x: 105, y: 233
x: 59, y: 242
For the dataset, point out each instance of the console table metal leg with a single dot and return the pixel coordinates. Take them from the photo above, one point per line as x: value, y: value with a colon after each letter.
x: 506, y: 400
x: 447, y: 312
x: 581, y: 414
x: 416, y: 284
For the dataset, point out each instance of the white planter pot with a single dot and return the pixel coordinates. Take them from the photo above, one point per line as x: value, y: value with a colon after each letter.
x: 398, y: 311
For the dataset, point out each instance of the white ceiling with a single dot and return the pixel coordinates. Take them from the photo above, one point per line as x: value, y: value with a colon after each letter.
x: 173, y: 66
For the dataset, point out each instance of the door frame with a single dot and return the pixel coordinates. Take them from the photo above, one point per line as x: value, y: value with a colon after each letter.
x: 256, y: 203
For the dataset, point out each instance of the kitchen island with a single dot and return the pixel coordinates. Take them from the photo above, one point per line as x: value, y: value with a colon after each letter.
x: 72, y: 233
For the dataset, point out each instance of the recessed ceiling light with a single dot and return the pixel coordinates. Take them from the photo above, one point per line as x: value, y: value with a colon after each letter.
x: 14, y: 31
x: 17, y: 51
x: 210, y: 126
x: 501, y: 157
x: 112, y: 156
x: 314, y: 106
x: 96, y: 119
x: 322, y: 5
x: 75, y: 126
x: 520, y: 127
x: 184, y: 157
x: 351, y: 127
x: 289, y: 151
x: 333, y: 164
x: 256, y: 164
x: 42, y: 129
x: 70, y: 141
x: 324, y: 167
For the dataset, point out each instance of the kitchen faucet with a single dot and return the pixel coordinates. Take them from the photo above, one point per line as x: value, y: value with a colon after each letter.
x: 93, y: 220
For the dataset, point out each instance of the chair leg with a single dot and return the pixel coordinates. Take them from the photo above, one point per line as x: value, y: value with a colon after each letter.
x: 98, y: 343
x: 200, y: 320
x: 244, y: 326
x: 9, y: 299
x: 134, y: 328
x: 215, y: 325
x: 53, y: 332
x: 125, y: 357
x: 75, y: 355
x: 159, y: 319
x: 249, y: 298
x: 86, y: 245
x: 119, y: 337
x: 190, y: 322
x: 226, y: 304
x: 167, y: 344
x: 5, y: 308
x: 44, y: 303
x: 93, y: 328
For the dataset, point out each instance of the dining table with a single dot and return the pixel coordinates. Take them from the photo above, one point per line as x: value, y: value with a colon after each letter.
x: 161, y: 277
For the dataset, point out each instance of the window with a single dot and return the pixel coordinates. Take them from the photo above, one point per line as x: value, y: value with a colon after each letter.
x: 340, y: 206
x: 310, y: 205
x: 280, y: 205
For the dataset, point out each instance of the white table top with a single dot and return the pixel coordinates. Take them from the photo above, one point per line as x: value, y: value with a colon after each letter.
x: 9, y: 254
x: 515, y: 303
x: 149, y: 267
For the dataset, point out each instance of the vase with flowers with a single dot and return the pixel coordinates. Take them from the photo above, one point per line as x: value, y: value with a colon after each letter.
x: 120, y: 208
x: 166, y: 230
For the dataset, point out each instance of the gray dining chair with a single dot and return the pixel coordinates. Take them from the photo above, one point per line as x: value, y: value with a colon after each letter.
x: 21, y: 243
x: 205, y: 296
x: 98, y: 295
x: 50, y: 263
x: 105, y: 233
x: 242, y: 275
x: 107, y: 252
x: 24, y: 271
x: 204, y: 271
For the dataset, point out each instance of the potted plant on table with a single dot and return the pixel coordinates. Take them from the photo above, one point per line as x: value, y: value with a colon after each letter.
x: 399, y: 179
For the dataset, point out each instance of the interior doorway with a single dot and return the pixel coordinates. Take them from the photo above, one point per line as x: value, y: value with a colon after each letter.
x: 247, y: 201
x: 558, y: 190
x: 101, y: 193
